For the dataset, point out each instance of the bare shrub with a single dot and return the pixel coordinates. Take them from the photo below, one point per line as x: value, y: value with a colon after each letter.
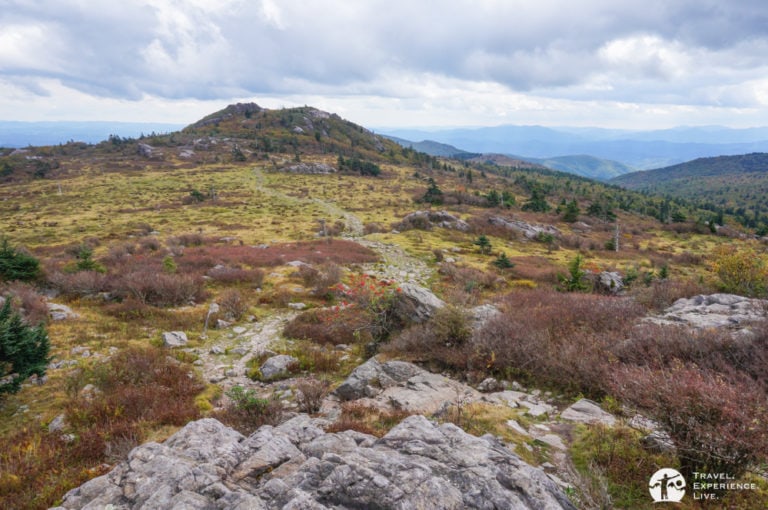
x: 373, y: 228
x: 149, y: 243
x: 160, y: 289
x: 718, y: 424
x: 187, y: 240
x: 81, y: 283
x: 559, y: 339
x: 330, y: 327
x: 663, y: 293
x: 224, y: 274
x: 367, y: 420
x: 310, y: 394
x: 232, y: 304
x: 27, y: 301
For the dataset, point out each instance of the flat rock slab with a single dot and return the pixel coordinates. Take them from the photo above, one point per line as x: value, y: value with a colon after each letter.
x: 587, y: 411
x: 713, y: 311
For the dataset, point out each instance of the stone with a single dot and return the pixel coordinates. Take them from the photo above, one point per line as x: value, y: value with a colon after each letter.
x: 587, y: 411
x: 297, y: 306
x: 609, y: 282
x: 415, y: 304
x: 527, y: 230
x: 712, y: 311
x: 57, y: 424
x: 514, y: 425
x: 658, y: 441
x: 59, y: 312
x: 490, y: 385
x: 277, y: 366
x: 404, y: 386
x: 239, y: 330
x: 418, y: 464
x: 480, y: 315
x: 426, y: 220
x: 175, y: 339
x: 217, y: 350
x: 536, y: 409
x: 222, y: 324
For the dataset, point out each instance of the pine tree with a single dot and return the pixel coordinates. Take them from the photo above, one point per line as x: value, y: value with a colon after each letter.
x: 572, y: 212
x: 484, y: 244
x: 16, y: 265
x: 23, y: 350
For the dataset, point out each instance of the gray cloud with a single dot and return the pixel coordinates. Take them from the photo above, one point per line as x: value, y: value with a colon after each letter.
x: 704, y: 52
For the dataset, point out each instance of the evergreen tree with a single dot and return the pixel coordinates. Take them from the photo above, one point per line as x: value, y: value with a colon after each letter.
x: 484, y: 244
x: 503, y: 262
x: 16, y: 265
x: 572, y: 212
x: 536, y: 203
x: 23, y: 350
x: 434, y: 194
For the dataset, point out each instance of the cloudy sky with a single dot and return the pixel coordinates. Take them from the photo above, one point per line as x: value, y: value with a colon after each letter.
x: 610, y: 63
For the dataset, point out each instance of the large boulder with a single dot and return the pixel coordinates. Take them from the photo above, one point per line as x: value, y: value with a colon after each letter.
x: 418, y: 464
x: 59, y: 312
x: 416, y: 304
x: 175, y: 339
x: 587, y: 411
x: 527, y: 230
x: 277, y: 366
x: 402, y: 385
x: 426, y: 220
x: 713, y: 311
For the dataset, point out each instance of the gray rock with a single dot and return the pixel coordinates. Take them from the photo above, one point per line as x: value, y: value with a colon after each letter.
x: 587, y: 411
x: 402, y: 385
x: 297, y: 306
x: 57, y: 424
x: 527, y: 230
x: 175, y: 339
x: 217, y: 350
x: 609, y: 282
x: 480, y: 315
x: 418, y: 464
x: 426, y: 220
x: 658, y: 441
x: 713, y: 311
x: 415, y: 304
x: 276, y: 366
x: 59, y: 312
x: 490, y: 385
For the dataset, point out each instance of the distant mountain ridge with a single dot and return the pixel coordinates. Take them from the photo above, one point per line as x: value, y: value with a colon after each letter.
x: 726, y: 181
x: 15, y: 134
x: 635, y: 149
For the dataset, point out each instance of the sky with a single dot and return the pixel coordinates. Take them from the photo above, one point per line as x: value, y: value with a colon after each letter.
x: 630, y: 64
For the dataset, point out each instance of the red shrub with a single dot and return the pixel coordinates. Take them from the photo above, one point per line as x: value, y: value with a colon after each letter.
x: 719, y: 425
x: 161, y: 289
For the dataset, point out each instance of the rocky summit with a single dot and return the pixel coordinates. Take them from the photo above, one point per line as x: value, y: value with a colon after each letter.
x: 297, y: 465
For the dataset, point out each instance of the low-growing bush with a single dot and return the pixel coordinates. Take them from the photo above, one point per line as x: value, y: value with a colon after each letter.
x: 81, y: 283
x: 329, y: 327
x: 367, y: 420
x: 27, y: 301
x: 661, y: 294
x: 232, y: 304
x: 234, y: 275
x: 718, y: 424
x: 247, y: 411
x: 310, y: 393
x: 160, y: 289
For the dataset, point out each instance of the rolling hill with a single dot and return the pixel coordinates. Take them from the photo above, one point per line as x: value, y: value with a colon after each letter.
x: 736, y: 184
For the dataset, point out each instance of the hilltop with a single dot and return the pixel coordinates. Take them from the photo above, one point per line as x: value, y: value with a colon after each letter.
x: 295, y: 285
x: 735, y: 184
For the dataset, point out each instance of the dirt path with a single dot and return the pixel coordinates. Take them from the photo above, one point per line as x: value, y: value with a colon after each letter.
x: 225, y: 362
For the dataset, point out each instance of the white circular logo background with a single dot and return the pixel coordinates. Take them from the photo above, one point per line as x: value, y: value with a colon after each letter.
x: 667, y: 485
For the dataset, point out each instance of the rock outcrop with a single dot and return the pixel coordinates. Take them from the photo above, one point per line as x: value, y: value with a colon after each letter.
x: 426, y: 220
x: 416, y: 304
x: 296, y: 465
x: 403, y: 385
x: 527, y: 230
x: 713, y: 311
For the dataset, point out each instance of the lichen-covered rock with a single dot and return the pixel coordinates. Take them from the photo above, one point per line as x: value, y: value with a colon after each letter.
x: 713, y: 311
x: 175, y: 339
x: 587, y: 411
x: 415, y: 304
x: 418, y: 464
x: 426, y: 220
x: 277, y: 366
x: 527, y: 230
